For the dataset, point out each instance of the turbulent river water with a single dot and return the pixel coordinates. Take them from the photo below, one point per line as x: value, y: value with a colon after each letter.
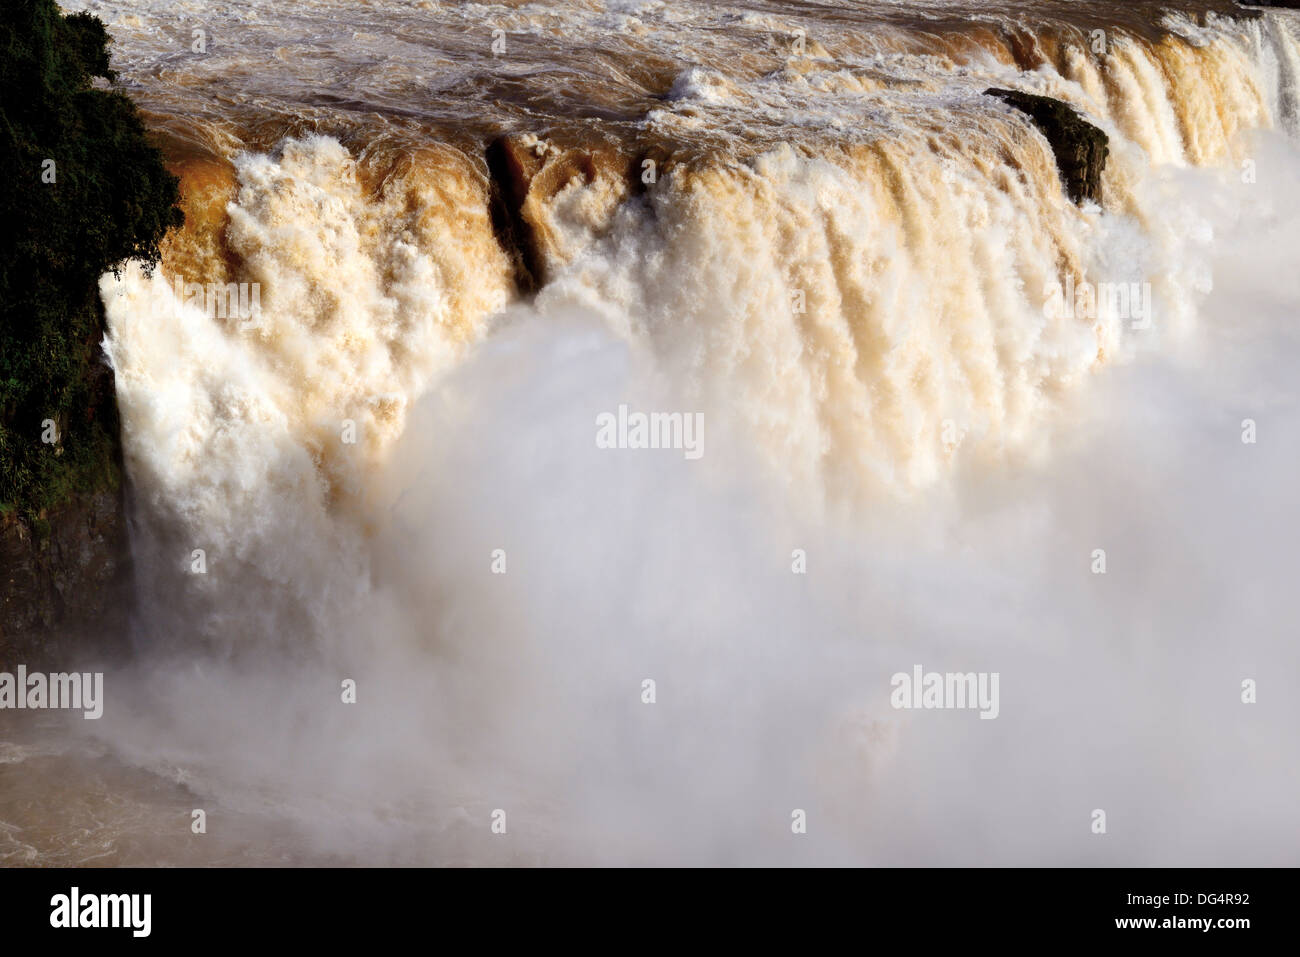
x: 806, y: 223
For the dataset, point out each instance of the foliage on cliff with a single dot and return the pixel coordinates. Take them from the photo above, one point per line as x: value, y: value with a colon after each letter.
x: 81, y: 190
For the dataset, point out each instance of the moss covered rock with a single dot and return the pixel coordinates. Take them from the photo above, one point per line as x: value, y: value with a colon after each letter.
x: 84, y: 190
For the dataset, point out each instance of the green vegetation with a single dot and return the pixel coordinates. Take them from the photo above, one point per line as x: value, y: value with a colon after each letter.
x: 106, y: 197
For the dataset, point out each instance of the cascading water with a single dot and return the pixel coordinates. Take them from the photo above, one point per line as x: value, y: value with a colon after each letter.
x: 840, y: 254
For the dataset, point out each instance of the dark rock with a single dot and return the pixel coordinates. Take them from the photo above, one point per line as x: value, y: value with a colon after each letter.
x: 1080, y: 147
x: 511, y: 169
x: 65, y: 582
x: 526, y: 174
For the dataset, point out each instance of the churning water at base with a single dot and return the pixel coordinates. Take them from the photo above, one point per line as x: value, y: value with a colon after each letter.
x: 844, y: 270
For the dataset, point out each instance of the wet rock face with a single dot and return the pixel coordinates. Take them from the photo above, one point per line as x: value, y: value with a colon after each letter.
x: 526, y: 173
x: 64, y: 582
x: 1080, y: 147
x: 511, y: 169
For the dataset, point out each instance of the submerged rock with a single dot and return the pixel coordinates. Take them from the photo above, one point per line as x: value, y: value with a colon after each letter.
x: 1080, y: 147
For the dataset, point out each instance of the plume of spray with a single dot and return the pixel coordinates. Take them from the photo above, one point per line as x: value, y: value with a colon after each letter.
x: 500, y: 588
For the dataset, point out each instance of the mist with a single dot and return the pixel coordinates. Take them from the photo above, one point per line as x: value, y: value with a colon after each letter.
x: 397, y: 604
x: 522, y: 690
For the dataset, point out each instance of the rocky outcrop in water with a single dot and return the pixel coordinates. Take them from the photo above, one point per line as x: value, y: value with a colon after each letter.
x: 527, y: 172
x: 1080, y: 147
